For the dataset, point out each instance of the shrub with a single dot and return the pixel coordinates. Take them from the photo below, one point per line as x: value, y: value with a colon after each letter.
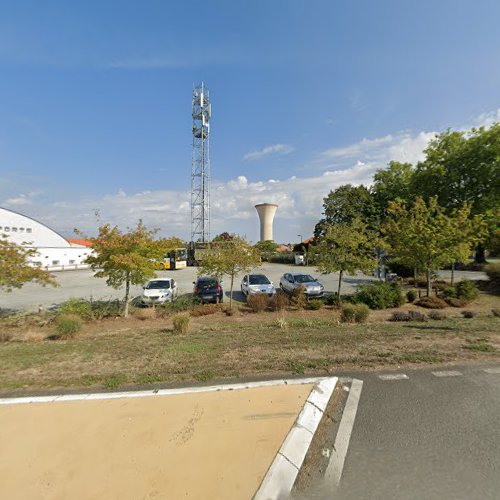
x: 407, y: 316
x: 77, y: 307
x: 280, y: 301
x: 181, y: 323
x: 205, y: 310
x: 468, y: 314
x: 298, y: 298
x: 180, y: 305
x: 354, y: 313
x: 456, y: 302
x: 411, y: 295
x: 467, y: 290
x: 436, y: 315
x: 379, y: 295
x: 493, y: 273
x: 144, y: 314
x: 496, y: 312
x: 229, y: 311
x: 68, y: 325
x: 283, y: 258
x: 331, y: 300
x: 314, y: 305
x: 106, y: 308
x: 258, y: 302
x: 449, y: 291
x: 431, y: 303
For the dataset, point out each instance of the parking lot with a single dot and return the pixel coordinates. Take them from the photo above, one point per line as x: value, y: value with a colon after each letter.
x: 82, y: 284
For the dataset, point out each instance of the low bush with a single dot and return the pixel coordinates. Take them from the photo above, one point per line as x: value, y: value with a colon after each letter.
x: 379, y: 295
x: 205, y: 310
x: 181, y: 323
x: 411, y: 295
x: 258, y: 302
x: 436, y: 315
x: 280, y: 301
x: 331, y: 300
x: 354, y: 313
x: 467, y: 290
x: 469, y: 314
x: 283, y: 258
x: 68, y: 325
x: 449, y: 291
x: 77, y: 307
x: 455, y: 302
x: 431, y: 303
x: 144, y: 314
x: 493, y: 273
x: 106, y: 309
x: 229, y: 311
x: 181, y: 304
x: 496, y: 313
x: 314, y: 305
x: 298, y: 298
x: 407, y: 316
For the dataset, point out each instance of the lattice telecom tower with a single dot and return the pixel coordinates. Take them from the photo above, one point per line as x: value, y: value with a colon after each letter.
x: 200, y: 167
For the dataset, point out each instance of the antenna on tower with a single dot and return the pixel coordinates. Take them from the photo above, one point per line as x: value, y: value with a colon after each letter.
x: 200, y: 167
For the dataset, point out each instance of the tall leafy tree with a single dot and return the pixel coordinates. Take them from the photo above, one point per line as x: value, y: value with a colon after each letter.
x: 463, y: 167
x: 428, y: 238
x: 345, y: 204
x: 393, y: 183
x: 15, y: 267
x: 229, y: 258
x: 125, y: 258
x: 347, y: 247
x: 266, y: 248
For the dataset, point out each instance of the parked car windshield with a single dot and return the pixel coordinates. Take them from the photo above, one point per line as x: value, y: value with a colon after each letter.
x: 304, y: 278
x: 155, y: 285
x: 258, y: 279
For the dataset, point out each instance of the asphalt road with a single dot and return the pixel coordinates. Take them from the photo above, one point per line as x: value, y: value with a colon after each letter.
x: 426, y: 436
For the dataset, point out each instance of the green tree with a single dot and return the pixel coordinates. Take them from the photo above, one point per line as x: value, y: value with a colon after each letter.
x: 347, y: 247
x: 393, y: 183
x: 463, y: 167
x: 229, y: 258
x: 225, y: 236
x: 15, y: 268
x: 125, y: 258
x: 266, y: 248
x: 425, y: 237
x: 344, y: 205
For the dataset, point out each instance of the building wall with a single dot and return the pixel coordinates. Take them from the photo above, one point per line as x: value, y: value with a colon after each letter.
x: 53, y: 251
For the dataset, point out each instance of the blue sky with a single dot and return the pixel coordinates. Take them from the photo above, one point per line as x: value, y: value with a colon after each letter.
x: 95, y: 102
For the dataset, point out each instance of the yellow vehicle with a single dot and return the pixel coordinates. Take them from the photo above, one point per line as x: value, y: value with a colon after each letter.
x: 176, y: 259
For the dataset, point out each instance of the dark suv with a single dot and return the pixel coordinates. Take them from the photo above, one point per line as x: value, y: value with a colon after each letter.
x: 208, y: 289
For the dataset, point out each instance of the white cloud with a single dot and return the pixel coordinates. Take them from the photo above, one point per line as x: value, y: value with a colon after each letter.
x: 281, y: 149
x: 21, y: 199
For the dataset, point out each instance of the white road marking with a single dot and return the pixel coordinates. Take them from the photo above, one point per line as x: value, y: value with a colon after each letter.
x: 336, y: 464
x: 393, y: 376
x: 492, y: 370
x: 447, y: 373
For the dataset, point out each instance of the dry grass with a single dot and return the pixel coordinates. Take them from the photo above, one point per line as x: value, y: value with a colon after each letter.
x: 110, y: 353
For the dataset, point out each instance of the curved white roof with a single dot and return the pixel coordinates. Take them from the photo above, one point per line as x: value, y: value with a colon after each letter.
x: 25, y: 230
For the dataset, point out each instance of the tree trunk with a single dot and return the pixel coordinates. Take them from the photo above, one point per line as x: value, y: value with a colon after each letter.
x: 479, y: 257
x: 127, y: 292
x: 340, y: 284
x: 429, y: 282
x: 415, y: 275
x: 231, y: 292
x: 452, y: 274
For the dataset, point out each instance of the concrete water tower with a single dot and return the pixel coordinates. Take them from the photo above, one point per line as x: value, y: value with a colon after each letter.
x: 266, y: 213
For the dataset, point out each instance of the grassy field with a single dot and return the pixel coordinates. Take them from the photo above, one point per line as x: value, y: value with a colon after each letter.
x: 119, y: 352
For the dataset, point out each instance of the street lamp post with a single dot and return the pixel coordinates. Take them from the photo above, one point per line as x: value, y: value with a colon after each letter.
x: 300, y: 236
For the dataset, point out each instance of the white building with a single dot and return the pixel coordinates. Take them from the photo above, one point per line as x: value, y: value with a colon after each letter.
x: 54, y: 252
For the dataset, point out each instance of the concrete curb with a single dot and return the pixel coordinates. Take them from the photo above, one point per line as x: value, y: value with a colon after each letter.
x: 159, y: 392
x: 281, y: 476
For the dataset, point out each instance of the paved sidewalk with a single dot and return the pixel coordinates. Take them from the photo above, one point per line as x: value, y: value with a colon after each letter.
x: 201, y: 445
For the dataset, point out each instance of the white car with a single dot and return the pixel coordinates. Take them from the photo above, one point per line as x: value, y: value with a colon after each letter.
x: 159, y: 291
x: 257, y: 283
